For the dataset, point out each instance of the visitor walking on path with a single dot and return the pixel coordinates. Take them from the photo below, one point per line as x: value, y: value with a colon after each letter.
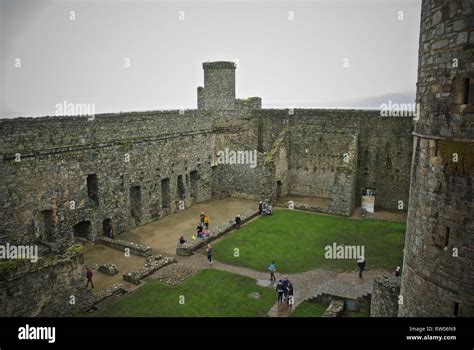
x: 279, y: 288
x: 201, y: 218
x: 397, y: 271
x: 89, y: 275
x: 290, y: 301
x: 361, y: 263
x: 260, y: 207
x: 209, y: 253
x: 272, y: 270
x: 286, y: 283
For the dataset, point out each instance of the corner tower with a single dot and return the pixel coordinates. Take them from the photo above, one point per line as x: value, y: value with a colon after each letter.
x: 438, y: 273
x: 219, y: 86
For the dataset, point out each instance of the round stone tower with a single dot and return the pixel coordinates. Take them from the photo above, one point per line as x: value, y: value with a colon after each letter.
x: 219, y: 86
x: 438, y: 268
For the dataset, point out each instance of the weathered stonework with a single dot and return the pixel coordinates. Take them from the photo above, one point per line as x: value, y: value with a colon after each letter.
x: 152, y: 264
x: 385, y: 297
x: 133, y: 248
x: 438, y: 269
x: 44, y: 288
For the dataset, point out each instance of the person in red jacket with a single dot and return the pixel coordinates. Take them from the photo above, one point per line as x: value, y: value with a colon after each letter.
x: 89, y: 275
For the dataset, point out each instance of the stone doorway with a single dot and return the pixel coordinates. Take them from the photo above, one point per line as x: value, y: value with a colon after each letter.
x: 278, y: 189
x: 136, y: 203
x: 82, y: 230
x: 106, y: 227
x: 165, y: 193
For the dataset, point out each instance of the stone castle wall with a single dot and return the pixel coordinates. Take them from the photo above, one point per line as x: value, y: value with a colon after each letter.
x: 53, y: 286
x: 133, y: 158
x: 438, y: 273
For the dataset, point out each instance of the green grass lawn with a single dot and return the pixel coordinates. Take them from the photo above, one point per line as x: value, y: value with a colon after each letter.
x: 208, y: 293
x: 296, y: 242
x: 307, y: 309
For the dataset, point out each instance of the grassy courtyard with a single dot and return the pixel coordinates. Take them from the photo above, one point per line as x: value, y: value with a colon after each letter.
x: 296, y: 241
x: 208, y: 293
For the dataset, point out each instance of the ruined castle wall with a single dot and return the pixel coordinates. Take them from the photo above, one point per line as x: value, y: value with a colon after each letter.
x: 237, y: 131
x: 384, y: 150
x: 129, y: 154
x: 44, y: 288
x: 438, y: 274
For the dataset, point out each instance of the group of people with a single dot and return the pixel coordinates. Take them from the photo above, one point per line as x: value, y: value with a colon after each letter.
x: 284, y: 287
x: 264, y: 209
x: 201, y: 229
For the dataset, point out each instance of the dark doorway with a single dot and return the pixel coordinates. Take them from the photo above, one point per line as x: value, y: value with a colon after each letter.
x: 107, y: 227
x: 279, y: 186
x: 48, y: 225
x: 136, y: 203
x: 165, y: 193
x: 181, y: 188
x: 93, y: 188
x: 82, y: 229
x: 194, y: 183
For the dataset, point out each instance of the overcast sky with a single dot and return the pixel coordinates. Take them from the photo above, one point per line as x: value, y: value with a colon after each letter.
x: 297, y: 63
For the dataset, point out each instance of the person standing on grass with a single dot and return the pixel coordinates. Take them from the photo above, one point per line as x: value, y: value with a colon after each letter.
x: 209, y: 253
x: 280, y: 289
x: 89, y: 275
x: 361, y: 263
x: 272, y: 270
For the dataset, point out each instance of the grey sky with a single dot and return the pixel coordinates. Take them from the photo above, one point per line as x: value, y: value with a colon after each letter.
x: 296, y: 63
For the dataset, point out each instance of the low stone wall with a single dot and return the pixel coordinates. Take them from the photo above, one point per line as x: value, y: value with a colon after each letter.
x: 385, y: 292
x: 335, y: 309
x: 135, y: 248
x: 191, y: 246
x: 152, y: 264
x: 115, y: 289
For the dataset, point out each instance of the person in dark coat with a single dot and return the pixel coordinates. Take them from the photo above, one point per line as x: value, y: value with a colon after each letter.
x: 397, y: 271
x: 260, y: 207
x: 280, y: 289
x: 290, y: 299
x: 238, y: 221
x: 361, y: 263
